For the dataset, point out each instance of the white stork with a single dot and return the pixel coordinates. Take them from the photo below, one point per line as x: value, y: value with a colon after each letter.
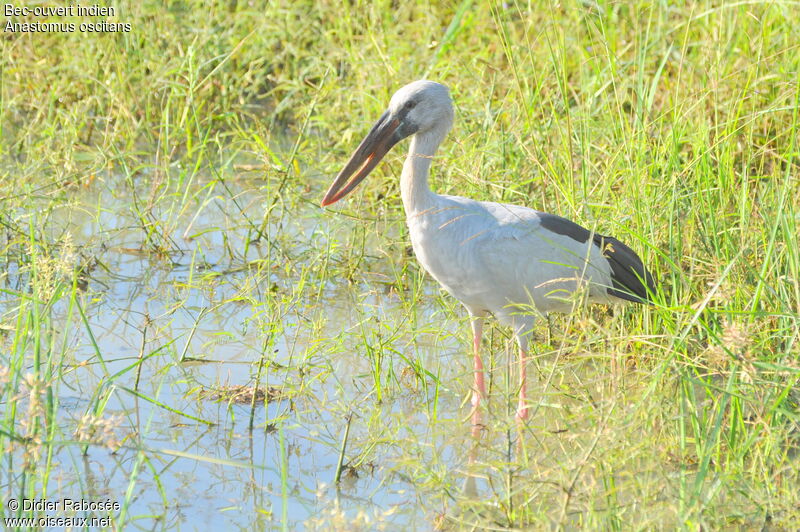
x: 495, y: 258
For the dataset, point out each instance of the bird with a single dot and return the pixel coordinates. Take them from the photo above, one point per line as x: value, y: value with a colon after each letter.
x: 509, y: 261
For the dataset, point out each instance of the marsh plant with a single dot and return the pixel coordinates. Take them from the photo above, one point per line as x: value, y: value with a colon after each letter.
x: 183, y: 329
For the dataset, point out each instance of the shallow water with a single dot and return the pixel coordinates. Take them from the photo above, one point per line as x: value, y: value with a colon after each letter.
x: 202, y: 466
x: 334, y: 312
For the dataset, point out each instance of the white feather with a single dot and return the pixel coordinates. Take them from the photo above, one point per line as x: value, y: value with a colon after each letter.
x: 493, y: 257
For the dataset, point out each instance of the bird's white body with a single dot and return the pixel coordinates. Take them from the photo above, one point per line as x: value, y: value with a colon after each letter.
x: 494, y: 257
x: 489, y: 257
x: 507, y: 260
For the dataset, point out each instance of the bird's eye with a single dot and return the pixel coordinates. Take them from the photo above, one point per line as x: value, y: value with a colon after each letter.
x: 410, y: 104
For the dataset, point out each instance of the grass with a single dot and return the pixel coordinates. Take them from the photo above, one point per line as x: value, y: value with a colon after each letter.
x: 160, y: 208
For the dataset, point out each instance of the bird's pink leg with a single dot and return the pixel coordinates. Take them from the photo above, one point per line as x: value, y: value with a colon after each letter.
x: 522, y: 405
x: 479, y: 388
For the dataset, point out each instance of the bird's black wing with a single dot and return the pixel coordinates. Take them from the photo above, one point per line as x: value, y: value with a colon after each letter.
x: 630, y: 279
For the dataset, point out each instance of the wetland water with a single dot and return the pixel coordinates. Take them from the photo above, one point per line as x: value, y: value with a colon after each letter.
x: 179, y: 302
x: 165, y: 334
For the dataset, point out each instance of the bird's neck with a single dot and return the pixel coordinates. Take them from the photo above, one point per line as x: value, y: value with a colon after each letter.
x: 417, y: 196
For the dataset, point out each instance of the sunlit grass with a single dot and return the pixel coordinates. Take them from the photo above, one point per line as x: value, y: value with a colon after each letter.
x: 161, y: 235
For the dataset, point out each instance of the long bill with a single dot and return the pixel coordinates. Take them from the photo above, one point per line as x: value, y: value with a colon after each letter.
x: 383, y: 135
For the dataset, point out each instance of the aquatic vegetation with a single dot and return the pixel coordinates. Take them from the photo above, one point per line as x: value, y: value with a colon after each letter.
x: 163, y: 250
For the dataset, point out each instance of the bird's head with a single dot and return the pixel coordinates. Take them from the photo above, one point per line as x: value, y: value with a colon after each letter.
x: 419, y: 107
